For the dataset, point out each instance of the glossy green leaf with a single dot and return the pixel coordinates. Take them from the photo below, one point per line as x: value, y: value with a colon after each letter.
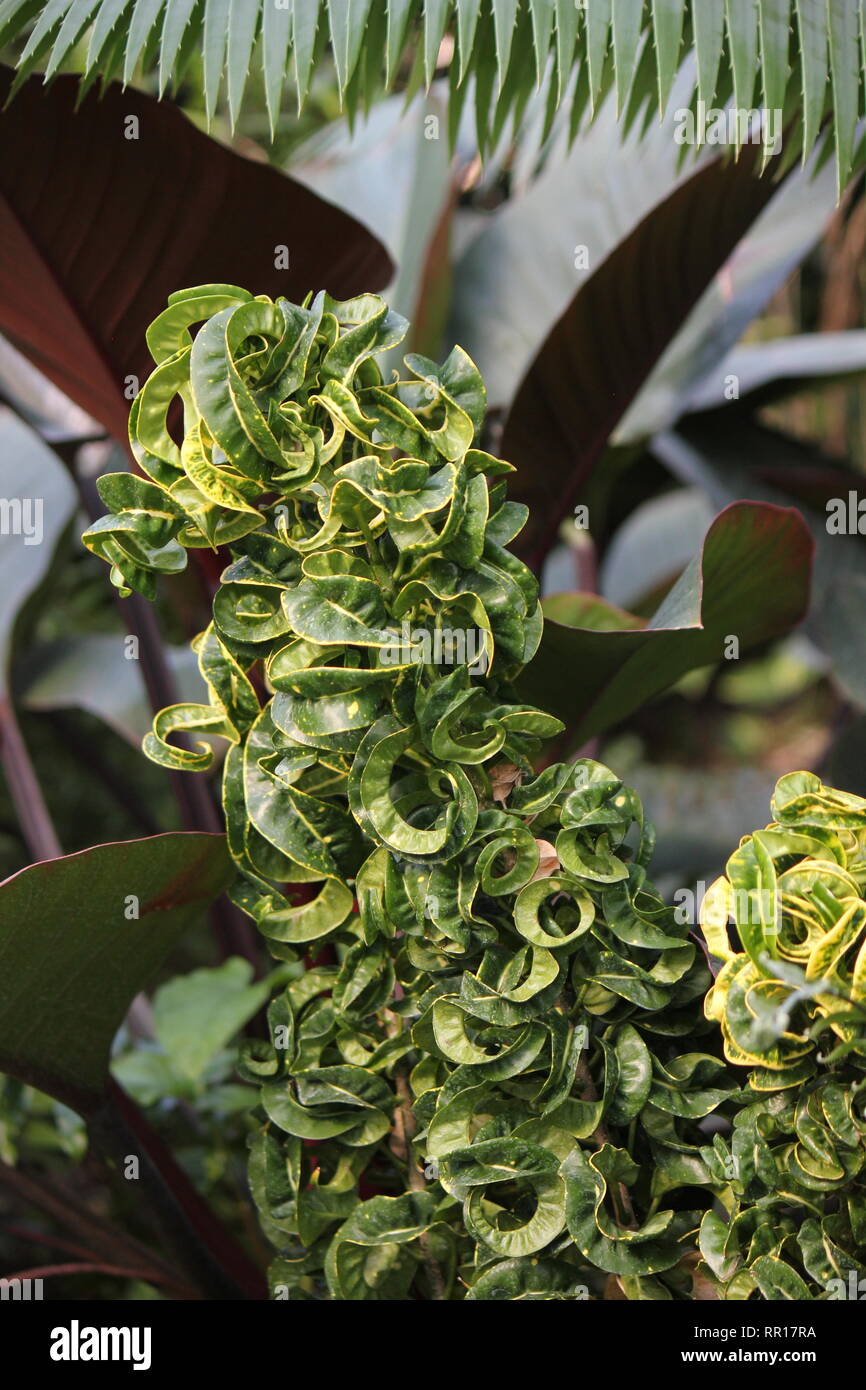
x: 751, y: 580
x: 107, y: 919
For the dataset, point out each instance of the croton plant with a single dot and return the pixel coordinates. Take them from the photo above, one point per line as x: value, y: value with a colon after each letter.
x: 493, y: 1073
x: 791, y: 1001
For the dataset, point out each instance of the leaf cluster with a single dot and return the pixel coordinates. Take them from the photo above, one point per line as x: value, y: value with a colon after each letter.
x: 470, y: 1085
x: 791, y: 1001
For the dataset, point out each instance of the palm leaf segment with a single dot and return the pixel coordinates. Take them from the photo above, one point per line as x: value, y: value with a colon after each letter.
x: 804, y: 58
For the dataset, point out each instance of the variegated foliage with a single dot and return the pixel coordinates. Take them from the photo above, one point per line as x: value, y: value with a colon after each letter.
x: 791, y: 1001
x: 488, y: 1073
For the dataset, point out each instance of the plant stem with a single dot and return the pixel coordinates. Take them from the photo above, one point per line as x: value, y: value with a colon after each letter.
x: 405, y: 1126
x: 383, y: 575
x: 203, y: 1247
x: 601, y: 1136
x: 84, y: 1267
x: 98, y: 1239
x: 87, y: 752
x: 146, y: 1269
x: 34, y: 817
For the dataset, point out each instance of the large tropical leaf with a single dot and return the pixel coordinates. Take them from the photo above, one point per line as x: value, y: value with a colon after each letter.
x: 549, y: 238
x: 79, y: 938
x: 106, y: 209
x: 733, y: 457
x: 597, y: 663
x: 571, y: 236
x: 781, y: 367
x: 652, y: 546
x: 38, y: 503
x: 89, y: 672
x: 615, y: 329
x: 401, y: 185
x: 806, y: 55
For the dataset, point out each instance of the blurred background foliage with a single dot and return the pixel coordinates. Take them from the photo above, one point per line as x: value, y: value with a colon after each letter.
x: 753, y: 389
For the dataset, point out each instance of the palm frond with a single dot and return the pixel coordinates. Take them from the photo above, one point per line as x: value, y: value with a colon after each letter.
x: 802, y: 59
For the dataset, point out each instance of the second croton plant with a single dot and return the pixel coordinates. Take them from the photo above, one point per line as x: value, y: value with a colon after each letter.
x: 497, y: 1070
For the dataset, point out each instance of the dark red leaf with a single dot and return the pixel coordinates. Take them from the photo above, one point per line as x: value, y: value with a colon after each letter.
x: 602, y: 348
x: 97, y: 229
x: 597, y: 663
